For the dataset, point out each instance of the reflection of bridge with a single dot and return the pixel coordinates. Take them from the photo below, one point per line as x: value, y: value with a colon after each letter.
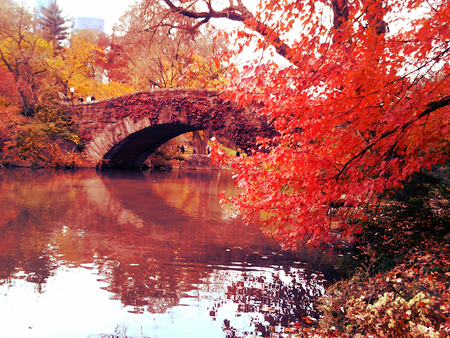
x: 123, y: 131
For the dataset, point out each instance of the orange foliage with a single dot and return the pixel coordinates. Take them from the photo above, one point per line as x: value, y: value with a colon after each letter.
x: 358, y: 109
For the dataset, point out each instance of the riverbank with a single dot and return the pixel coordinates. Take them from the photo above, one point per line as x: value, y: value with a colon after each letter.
x: 186, y: 162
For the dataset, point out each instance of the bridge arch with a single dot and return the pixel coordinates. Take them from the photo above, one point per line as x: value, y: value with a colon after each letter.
x: 121, y: 132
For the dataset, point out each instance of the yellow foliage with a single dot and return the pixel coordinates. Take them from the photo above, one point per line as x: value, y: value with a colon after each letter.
x: 203, y: 73
x: 102, y: 90
x: 77, y: 70
x: 76, y: 65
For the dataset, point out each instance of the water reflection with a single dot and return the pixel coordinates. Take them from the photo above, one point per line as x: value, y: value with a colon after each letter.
x: 139, y: 255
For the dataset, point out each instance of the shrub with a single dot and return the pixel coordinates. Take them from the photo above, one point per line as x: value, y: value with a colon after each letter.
x: 48, y: 139
x: 403, y: 289
x: 411, y: 300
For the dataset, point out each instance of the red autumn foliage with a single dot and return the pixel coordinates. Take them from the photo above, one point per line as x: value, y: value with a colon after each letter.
x: 8, y: 88
x: 362, y: 104
x: 113, y: 60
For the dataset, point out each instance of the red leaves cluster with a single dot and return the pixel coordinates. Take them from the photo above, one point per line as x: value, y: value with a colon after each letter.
x: 358, y: 110
x: 9, y: 93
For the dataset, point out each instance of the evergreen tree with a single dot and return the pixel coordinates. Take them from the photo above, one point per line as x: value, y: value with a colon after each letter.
x: 52, y: 24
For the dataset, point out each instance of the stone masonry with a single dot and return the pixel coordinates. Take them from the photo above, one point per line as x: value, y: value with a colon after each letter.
x: 123, y: 131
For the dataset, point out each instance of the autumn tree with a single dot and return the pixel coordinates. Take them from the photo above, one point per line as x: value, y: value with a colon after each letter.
x: 82, y: 66
x: 360, y: 102
x: 114, y: 61
x: 23, y: 53
x: 52, y: 24
x: 9, y: 94
x: 165, y: 57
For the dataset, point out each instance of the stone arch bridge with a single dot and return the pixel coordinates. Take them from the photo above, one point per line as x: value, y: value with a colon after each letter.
x: 121, y: 132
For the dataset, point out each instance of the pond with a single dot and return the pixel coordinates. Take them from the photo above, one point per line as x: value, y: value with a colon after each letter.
x: 143, y: 254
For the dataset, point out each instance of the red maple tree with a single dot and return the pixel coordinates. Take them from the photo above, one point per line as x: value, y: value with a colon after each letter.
x: 362, y: 104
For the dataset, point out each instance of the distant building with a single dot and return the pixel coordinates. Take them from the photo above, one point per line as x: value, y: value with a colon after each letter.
x: 87, y: 22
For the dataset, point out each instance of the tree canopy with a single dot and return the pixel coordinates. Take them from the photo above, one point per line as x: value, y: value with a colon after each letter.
x: 23, y: 53
x: 362, y: 104
x: 164, y: 57
x: 33, y: 79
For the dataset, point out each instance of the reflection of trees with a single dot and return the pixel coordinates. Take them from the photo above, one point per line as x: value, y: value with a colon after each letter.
x: 151, y: 248
x: 183, y: 211
x: 195, y: 191
x: 189, y: 192
x: 273, y: 296
x: 72, y: 216
x: 150, y: 285
x: 26, y: 210
x: 281, y: 295
x: 48, y: 213
x: 279, y: 300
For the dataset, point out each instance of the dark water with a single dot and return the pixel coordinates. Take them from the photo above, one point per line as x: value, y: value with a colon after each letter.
x: 140, y: 254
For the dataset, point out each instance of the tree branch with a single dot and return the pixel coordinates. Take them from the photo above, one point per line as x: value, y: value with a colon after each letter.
x: 236, y: 12
x: 432, y: 106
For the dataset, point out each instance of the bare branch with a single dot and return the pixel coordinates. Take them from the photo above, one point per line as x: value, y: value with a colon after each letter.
x: 236, y: 11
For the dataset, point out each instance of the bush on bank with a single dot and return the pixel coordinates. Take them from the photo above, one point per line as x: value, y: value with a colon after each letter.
x: 47, y: 139
x: 402, y: 289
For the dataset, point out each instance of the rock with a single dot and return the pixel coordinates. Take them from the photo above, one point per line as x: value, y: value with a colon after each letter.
x: 199, y: 162
x: 66, y: 145
x: 157, y: 162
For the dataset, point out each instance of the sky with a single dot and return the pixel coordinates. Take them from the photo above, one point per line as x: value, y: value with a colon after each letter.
x: 110, y: 10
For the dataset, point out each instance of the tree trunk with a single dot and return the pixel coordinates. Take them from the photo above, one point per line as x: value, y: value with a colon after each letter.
x: 201, y: 143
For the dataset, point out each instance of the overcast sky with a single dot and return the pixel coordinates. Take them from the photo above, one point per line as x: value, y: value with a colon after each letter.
x: 110, y: 10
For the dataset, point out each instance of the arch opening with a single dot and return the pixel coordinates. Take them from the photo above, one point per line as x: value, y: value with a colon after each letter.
x: 133, y: 150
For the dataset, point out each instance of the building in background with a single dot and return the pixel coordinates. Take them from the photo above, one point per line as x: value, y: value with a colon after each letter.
x: 87, y: 22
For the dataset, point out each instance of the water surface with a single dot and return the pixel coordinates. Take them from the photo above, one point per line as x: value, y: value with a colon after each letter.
x: 141, y: 254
